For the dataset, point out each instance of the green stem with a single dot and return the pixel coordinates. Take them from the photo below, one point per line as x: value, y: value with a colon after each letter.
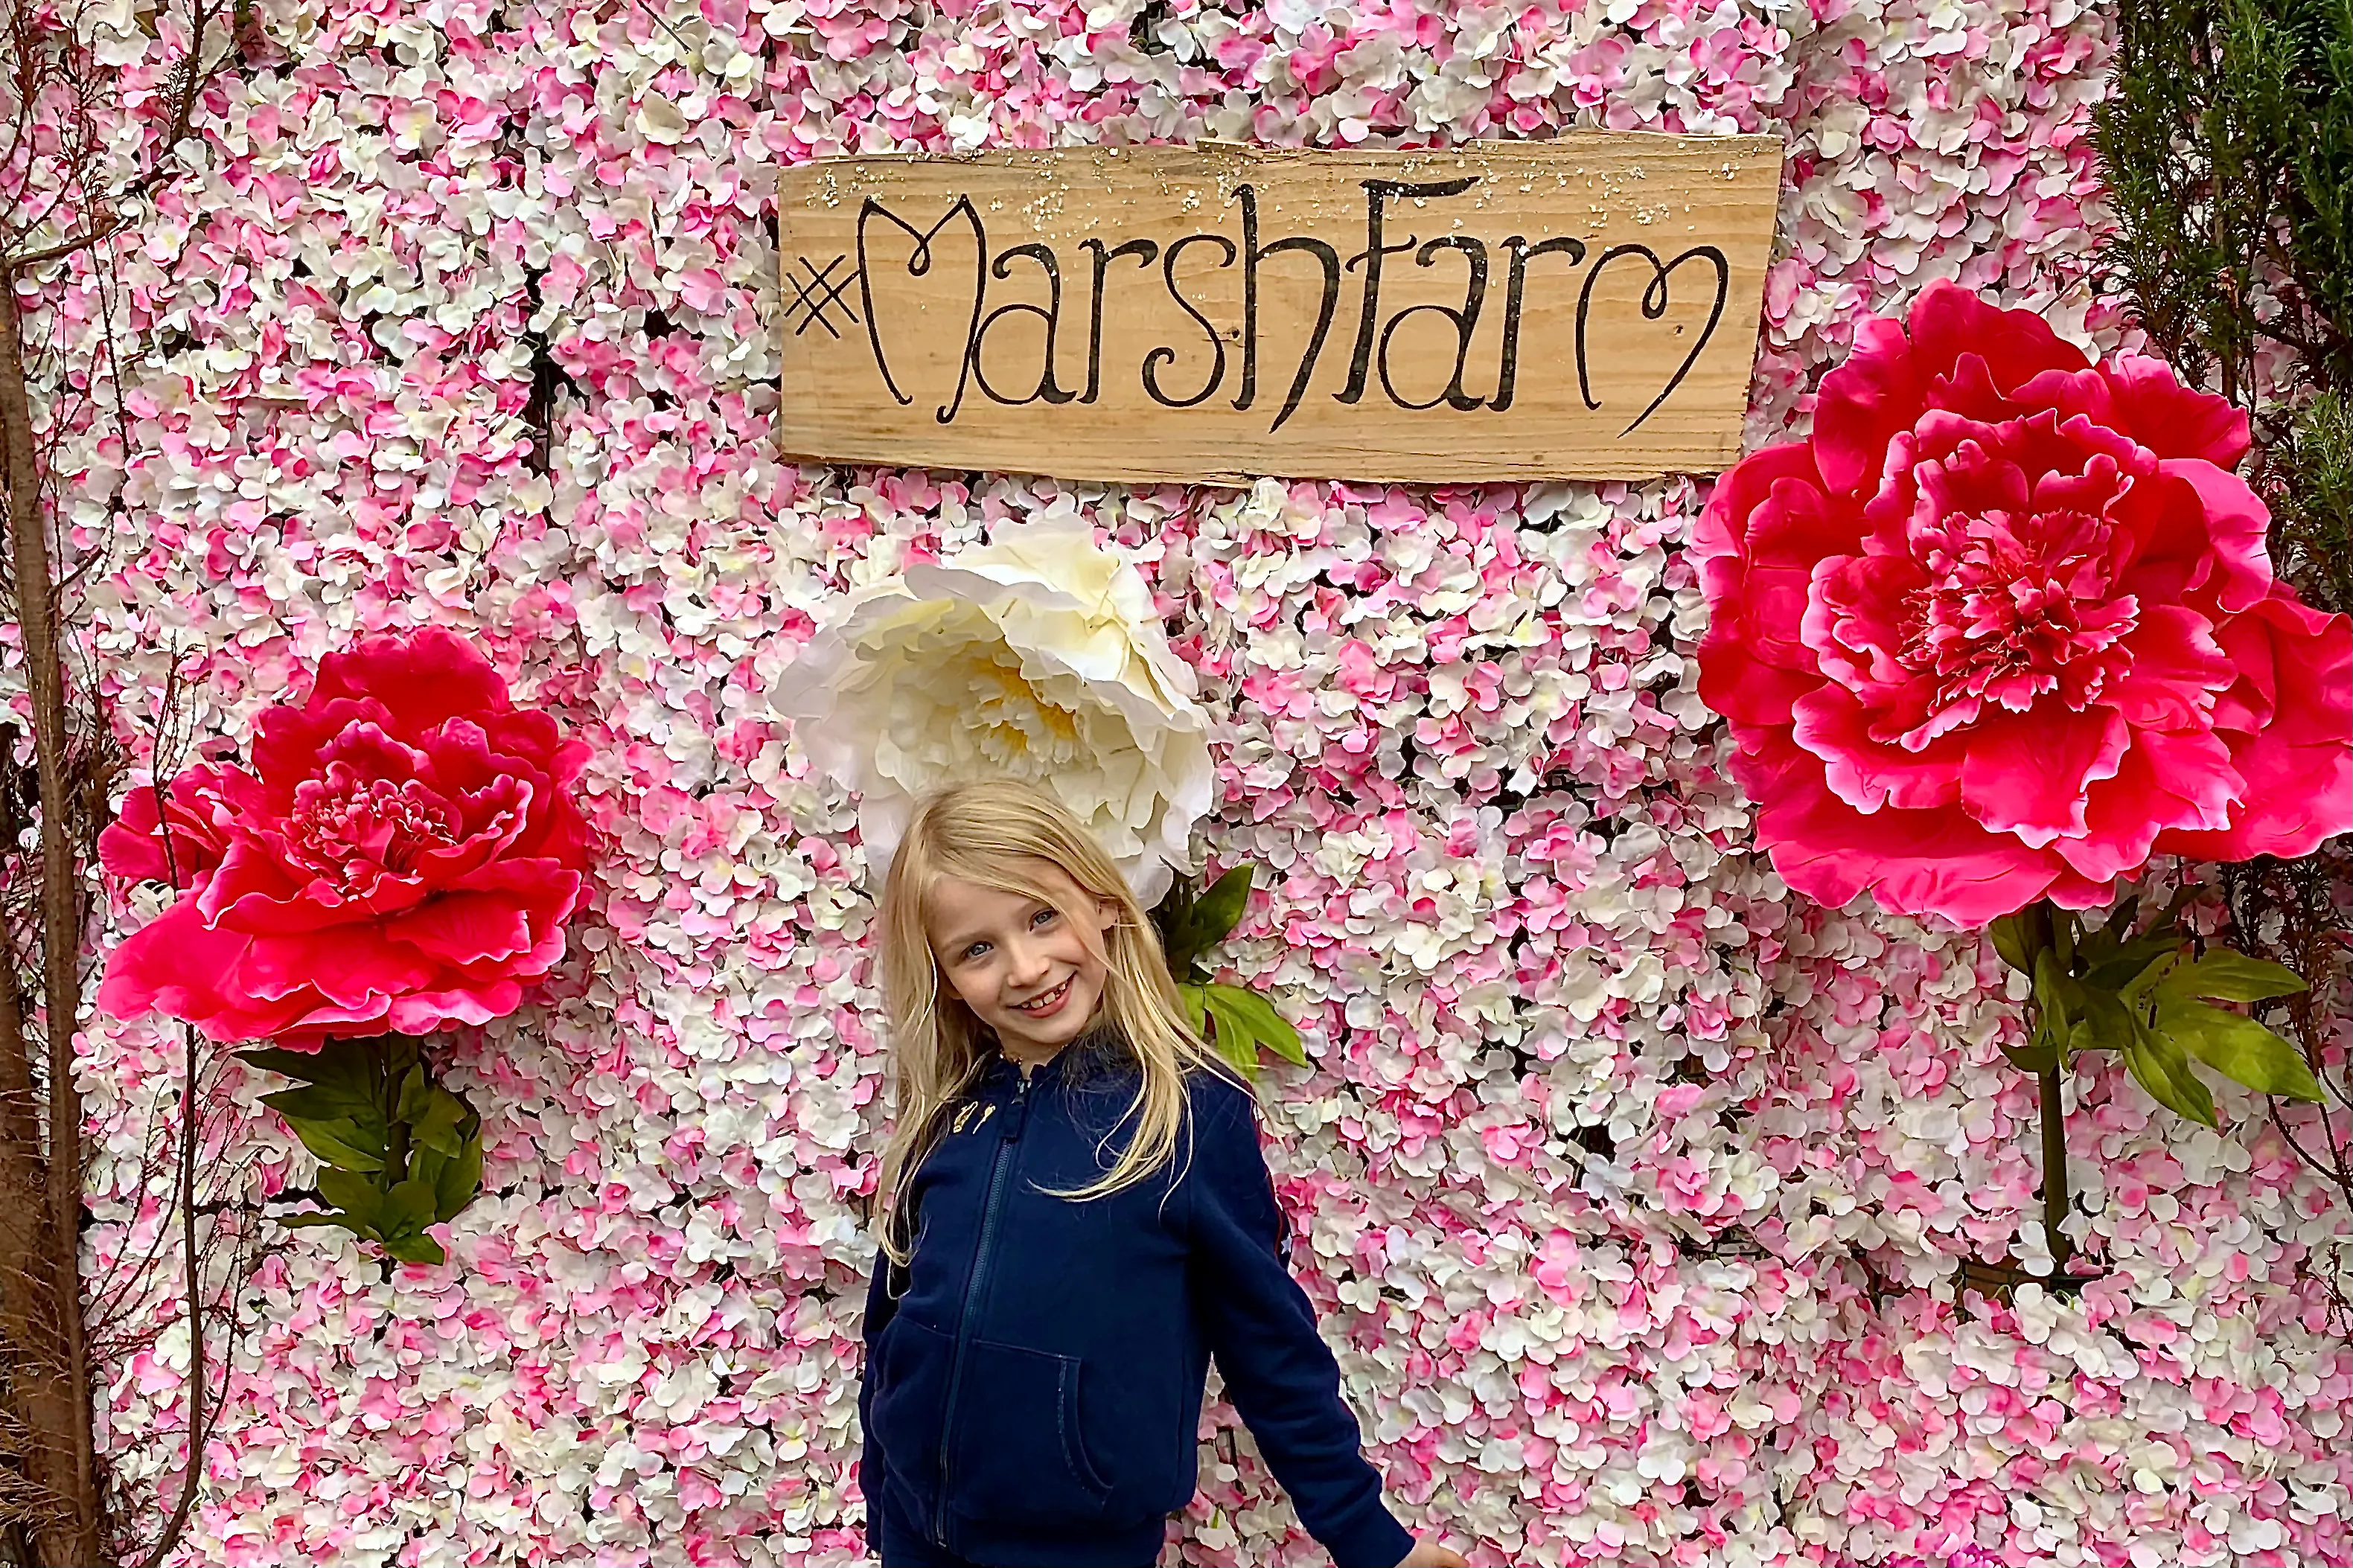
x: 2056, y: 1198
x: 396, y: 1153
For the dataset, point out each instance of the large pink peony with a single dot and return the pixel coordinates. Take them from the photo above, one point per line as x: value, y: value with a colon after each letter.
x: 403, y: 855
x: 2006, y: 627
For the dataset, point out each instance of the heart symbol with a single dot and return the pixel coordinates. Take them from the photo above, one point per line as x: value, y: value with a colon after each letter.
x: 1654, y: 306
x: 878, y: 221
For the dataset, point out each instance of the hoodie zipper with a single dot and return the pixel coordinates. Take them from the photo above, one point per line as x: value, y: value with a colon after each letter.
x: 1010, y: 1131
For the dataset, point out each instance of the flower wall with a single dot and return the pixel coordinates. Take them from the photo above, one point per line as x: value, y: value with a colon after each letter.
x: 1630, y: 1187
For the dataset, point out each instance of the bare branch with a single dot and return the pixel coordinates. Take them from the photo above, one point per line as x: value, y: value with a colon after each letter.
x: 61, y: 195
x: 192, y: 75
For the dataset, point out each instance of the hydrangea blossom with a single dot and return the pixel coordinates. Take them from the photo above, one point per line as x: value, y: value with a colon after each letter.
x: 1629, y: 1186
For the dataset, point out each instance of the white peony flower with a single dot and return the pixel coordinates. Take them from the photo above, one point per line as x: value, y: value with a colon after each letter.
x: 1035, y: 656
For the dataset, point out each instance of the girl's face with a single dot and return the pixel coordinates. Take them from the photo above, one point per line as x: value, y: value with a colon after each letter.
x: 1017, y: 963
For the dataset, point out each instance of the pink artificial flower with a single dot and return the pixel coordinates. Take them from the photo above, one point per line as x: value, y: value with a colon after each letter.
x: 403, y: 855
x: 136, y: 847
x: 2006, y: 627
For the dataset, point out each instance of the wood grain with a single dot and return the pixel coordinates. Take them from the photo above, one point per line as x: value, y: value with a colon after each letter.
x: 1584, y: 307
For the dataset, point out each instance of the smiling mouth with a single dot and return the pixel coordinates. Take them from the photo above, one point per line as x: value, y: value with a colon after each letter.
x: 1046, y: 1002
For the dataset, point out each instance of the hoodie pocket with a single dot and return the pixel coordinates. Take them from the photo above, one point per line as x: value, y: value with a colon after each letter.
x: 1016, y: 1452
x: 909, y: 1409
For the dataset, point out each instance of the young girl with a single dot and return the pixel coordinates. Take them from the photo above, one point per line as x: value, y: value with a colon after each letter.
x: 1076, y: 1219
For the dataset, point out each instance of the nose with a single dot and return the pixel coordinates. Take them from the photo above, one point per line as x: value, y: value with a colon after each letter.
x: 1026, y: 965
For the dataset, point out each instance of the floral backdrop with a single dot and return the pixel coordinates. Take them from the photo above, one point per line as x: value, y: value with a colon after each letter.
x: 1630, y: 1187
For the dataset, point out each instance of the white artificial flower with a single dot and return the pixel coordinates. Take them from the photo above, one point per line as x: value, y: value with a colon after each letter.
x: 1035, y: 656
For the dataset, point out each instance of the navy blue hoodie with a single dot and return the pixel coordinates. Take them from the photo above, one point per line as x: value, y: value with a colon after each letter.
x: 1034, y: 1377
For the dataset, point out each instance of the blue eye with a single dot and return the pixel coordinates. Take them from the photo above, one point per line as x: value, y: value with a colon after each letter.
x: 1043, y: 917
x: 974, y: 950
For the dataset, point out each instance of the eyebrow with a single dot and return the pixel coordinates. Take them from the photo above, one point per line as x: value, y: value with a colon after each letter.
x: 959, y: 940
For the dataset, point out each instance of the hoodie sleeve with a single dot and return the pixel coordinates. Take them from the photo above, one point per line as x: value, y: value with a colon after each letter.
x: 1262, y: 1330
x: 880, y: 1307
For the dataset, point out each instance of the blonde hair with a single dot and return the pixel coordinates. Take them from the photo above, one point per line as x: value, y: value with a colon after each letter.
x: 994, y: 834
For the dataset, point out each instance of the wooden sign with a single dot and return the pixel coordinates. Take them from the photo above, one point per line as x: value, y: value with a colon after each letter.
x: 1581, y: 306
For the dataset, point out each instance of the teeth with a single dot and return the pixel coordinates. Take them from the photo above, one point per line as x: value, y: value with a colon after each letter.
x: 1037, y: 1002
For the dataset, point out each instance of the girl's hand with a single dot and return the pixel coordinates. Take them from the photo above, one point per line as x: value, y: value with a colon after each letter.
x: 1428, y: 1553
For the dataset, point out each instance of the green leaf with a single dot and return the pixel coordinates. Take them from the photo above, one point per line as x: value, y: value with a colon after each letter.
x: 1230, y: 1032
x: 310, y: 1219
x: 355, y: 1194
x: 2107, y: 1024
x: 399, y: 1053
x: 2222, y: 975
x: 437, y: 1127
x: 301, y: 1066
x: 2017, y: 939
x: 2239, y: 1047
x: 1172, y: 917
x: 1284, y: 1042
x: 337, y: 1144
x: 2037, y: 1056
x: 352, y: 1065
x: 2170, y: 921
x: 1242, y: 1055
x: 2095, y: 947
x: 325, y: 1102
x: 460, y: 1180
x: 415, y: 1099
x: 2054, y: 1022
x: 1219, y: 909
x: 1196, y: 1001
x: 1266, y: 1028
x: 356, y: 1063
x: 2025, y: 934
x: 416, y: 1248
x: 408, y: 1208
x: 2159, y: 1064
x: 2134, y: 966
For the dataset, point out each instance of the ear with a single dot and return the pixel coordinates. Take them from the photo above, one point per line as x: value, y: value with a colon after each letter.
x: 1107, y: 914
